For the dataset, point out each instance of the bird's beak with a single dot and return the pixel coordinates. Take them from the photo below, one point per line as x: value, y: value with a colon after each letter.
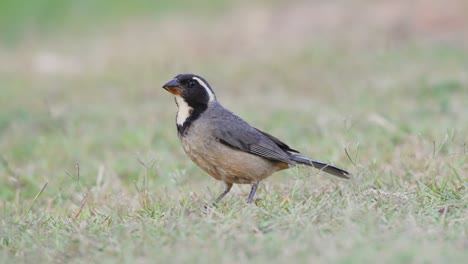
x: 173, y: 86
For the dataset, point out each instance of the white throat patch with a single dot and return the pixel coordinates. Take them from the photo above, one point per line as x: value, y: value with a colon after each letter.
x: 208, y: 90
x: 184, y: 110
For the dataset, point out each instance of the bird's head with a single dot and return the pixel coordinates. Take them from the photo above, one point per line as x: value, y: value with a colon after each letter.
x: 193, y: 89
x: 193, y: 95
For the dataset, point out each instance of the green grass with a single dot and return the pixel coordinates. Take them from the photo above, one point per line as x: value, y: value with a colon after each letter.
x: 91, y: 169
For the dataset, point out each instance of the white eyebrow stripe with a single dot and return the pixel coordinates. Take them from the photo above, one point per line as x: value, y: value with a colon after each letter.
x: 208, y: 90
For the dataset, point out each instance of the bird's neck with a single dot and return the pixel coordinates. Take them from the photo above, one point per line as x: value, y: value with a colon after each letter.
x: 186, y: 114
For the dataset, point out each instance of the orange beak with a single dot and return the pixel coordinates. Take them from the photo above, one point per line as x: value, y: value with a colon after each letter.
x: 173, y: 86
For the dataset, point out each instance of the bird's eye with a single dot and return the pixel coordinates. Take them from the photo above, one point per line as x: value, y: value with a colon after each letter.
x: 191, y: 84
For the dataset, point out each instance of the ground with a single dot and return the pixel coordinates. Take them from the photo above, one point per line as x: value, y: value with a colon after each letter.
x: 91, y: 169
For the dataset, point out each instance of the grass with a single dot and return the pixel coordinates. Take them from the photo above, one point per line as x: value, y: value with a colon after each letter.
x: 91, y: 168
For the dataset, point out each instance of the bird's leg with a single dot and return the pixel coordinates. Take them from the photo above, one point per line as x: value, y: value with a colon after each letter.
x: 226, y: 190
x: 252, y: 192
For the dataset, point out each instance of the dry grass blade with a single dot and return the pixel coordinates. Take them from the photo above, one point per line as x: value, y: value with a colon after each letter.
x: 36, y: 197
x: 83, y: 203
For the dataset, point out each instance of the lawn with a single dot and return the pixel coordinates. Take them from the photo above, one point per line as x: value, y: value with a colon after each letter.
x: 91, y: 168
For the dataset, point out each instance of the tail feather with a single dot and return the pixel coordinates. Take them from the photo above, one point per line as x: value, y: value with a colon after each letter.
x: 321, y: 166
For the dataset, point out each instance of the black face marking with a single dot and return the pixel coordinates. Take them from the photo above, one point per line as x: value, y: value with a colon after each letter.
x: 191, y: 84
x: 192, y: 90
x: 196, y: 97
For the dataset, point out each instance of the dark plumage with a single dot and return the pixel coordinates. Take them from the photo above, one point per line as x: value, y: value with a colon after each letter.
x: 224, y: 145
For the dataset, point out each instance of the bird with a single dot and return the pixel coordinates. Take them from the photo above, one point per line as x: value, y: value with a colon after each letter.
x: 224, y: 145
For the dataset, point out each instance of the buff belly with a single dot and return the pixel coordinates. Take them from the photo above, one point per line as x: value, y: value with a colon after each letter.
x: 228, y: 164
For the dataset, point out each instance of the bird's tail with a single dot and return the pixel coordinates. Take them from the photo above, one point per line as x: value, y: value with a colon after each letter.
x: 320, y: 165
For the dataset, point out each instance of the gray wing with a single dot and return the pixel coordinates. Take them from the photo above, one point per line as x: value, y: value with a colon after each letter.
x: 234, y: 132
x: 278, y: 142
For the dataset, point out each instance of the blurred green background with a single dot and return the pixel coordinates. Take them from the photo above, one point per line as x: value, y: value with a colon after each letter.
x: 20, y: 19
x: 80, y: 83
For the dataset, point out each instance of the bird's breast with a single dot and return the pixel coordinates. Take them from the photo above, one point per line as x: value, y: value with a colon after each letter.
x: 223, y: 162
